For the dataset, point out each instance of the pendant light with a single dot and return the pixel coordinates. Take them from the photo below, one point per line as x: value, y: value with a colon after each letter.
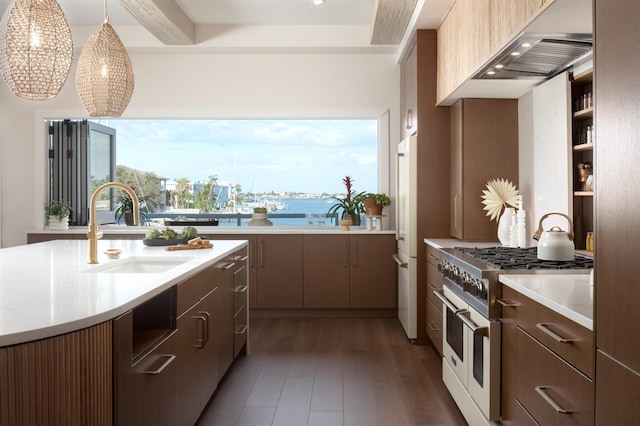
x: 36, y: 48
x: 104, y: 77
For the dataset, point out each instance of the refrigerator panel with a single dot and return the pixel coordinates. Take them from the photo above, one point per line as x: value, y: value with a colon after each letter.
x: 407, y: 212
x: 407, y: 294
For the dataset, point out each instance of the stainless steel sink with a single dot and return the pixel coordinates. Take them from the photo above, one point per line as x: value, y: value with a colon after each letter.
x: 140, y: 265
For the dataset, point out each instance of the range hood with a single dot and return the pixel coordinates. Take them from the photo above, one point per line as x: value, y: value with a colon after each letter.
x: 538, y: 56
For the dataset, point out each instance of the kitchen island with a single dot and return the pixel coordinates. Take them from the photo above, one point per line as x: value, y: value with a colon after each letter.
x: 105, y: 343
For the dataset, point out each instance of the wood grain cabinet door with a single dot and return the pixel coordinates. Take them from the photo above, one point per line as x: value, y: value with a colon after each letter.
x: 279, y: 263
x: 373, y: 282
x: 552, y: 391
x: 326, y: 271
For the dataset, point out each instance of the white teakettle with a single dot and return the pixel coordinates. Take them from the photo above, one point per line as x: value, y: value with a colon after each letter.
x: 555, y: 244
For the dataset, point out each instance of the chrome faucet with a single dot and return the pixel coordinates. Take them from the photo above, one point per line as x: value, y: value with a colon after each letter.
x: 94, y: 233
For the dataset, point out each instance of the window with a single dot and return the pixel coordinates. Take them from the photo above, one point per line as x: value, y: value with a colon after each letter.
x: 222, y: 167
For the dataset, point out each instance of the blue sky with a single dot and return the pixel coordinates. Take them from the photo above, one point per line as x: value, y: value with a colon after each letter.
x: 281, y: 155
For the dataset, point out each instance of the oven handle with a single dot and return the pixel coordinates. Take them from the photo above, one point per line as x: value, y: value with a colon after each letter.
x: 465, y: 318
x: 453, y: 308
x: 399, y: 261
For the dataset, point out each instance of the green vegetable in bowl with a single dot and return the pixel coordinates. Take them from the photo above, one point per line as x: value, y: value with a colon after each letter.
x: 189, y: 232
x: 169, y: 234
x: 152, y: 233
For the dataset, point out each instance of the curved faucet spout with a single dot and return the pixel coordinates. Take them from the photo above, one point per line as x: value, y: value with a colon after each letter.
x: 94, y: 233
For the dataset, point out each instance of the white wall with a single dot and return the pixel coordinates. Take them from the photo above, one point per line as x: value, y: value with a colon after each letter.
x: 196, y: 86
x: 544, y: 153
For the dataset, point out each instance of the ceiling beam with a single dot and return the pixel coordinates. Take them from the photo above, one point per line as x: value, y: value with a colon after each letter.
x: 390, y: 20
x: 164, y: 19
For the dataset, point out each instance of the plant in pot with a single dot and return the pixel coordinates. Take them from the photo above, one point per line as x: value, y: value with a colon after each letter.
x: 351, y: 205
x: 374, y: 203
x: 58, y: 214
x: 125, y: 207
x: 259, y: 217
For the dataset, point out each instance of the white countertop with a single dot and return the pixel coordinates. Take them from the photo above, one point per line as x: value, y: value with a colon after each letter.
x: 212, y: 230
x: 570, y: 295
x: 47, y: 289
x: 452, y: 242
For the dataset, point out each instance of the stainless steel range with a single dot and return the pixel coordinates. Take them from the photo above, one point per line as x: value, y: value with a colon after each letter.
x: 471, y: 314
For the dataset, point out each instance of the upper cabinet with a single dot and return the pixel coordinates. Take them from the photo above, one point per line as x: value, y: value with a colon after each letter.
x: 473, y: 31
x: 484, y: 146
x: 583, y: 166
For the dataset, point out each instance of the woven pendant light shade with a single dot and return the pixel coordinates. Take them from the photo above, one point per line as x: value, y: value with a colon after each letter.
x: 36, y: 48
x: 104, y: 77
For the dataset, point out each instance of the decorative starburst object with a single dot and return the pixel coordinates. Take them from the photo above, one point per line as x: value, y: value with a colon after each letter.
x: 499, y: 193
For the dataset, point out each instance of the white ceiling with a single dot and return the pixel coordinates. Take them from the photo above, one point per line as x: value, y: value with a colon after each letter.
x: 295, y: 25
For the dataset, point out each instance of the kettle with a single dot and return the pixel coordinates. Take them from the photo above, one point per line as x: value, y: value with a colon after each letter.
x: 555, y: 244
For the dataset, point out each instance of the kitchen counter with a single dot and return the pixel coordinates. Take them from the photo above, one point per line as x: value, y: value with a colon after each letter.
x: 452, y: 242
x: 212, y: 230
x: 48, y: 289
x: 570, y: 295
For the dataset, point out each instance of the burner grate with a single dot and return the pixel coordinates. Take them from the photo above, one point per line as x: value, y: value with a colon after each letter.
x: 522, y: 258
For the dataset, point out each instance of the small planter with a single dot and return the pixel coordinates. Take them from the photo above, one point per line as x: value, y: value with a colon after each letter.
x: 372, y: 208
x: 345, y: 224
x: 58, y: 224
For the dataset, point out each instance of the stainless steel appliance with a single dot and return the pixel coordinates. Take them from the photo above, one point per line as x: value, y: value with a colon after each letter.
x: 471, y: 314
x: 407, y: 236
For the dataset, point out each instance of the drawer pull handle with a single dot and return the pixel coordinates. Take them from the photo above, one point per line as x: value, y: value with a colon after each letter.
x: 230, y: 265
x: 169, y: 360
x: 432, y: 326
x: 440, y: 295
x: 545, y: 328
x: 542, y: 392
x: 507, y: 303
x: 206, y: 317
x: 400, y: 262
x: 242, y: 330
x: 242, y: 289
x: 243, y: 258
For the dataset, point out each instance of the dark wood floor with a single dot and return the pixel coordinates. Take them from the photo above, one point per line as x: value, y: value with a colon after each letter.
x: 332, y: 372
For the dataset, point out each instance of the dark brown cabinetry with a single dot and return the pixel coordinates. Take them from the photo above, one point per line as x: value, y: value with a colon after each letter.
x: 349, y: 271
x: 617, y: 232
x: 279, y: 274
x: 547, y: 365
x: 484, y: 146
x: 434, y: 306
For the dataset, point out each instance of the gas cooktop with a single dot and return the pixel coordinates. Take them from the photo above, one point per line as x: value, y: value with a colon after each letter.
x: 511, y: 258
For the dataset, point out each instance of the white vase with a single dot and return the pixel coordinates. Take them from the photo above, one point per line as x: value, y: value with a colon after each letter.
x: 58, y: 224
x: 504, y: 226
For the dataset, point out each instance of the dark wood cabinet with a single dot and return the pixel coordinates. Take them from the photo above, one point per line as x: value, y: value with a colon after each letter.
x: 350, y: 271
x: 484, y: 146
x: 372, y: 273
x: 544, y: 372
x: 279, y: 272
x: 433, y: 304
x: 617, y: 230
x: 326, y: 271
x: 550, y: 389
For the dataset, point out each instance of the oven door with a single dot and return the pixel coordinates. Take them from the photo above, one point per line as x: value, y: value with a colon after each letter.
x: 456, y: 335
x: 483, y: 353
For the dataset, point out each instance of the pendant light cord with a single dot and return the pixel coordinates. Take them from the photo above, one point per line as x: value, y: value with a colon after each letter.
x: 106, y: 16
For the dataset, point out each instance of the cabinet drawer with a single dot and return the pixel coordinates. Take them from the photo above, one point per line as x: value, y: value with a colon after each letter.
x: 546, y: 385
x: 434, y: 325
x: 434, y: 281
x: 239, y: 297
x: 195, y: 288
x: 433, y: 255
x: 240, y: 329
x: 566, y: 338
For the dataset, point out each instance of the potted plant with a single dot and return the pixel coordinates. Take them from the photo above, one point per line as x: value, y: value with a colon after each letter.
x: 259, y: 217
x: 374, y: 203
x: 58, y: 214
x: 351, y: 205
x: 125, y: 207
